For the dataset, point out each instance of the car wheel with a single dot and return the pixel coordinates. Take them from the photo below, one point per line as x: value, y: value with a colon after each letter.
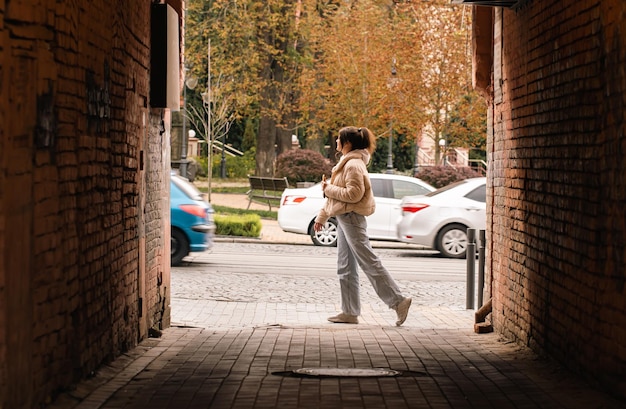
x: 452, y: 241
x: 179, y: 247
x: 327, y: 236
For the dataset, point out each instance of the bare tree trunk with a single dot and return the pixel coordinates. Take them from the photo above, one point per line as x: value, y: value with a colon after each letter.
x: 283, y: 133
x: 283, y: 139
x: 266, y: 138
x: 274, y: 136
x: 266, y: 147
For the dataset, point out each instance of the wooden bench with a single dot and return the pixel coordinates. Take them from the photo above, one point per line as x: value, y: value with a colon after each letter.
x: 266, y: 189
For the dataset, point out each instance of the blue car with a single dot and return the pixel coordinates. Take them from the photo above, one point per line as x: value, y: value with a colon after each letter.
x: 191, y: 218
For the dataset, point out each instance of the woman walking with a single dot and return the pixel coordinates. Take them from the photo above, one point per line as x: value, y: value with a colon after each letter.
x: 349, y: 199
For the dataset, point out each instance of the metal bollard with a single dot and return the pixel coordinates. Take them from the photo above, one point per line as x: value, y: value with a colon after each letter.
x: 470, y: 256
x: 481, y: 267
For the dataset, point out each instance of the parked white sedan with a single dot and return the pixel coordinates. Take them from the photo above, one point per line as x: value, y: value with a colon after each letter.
x: 440, y: 219
x: 299, y: 207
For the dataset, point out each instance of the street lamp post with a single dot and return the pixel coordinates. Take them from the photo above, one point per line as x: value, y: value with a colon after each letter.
x: 206, y: 99
x: 392, y: 82
x: 190, y: 83
x: 416, y: 163
x: 390, y: 154
x: 223, y: 161
x: 442, y: 151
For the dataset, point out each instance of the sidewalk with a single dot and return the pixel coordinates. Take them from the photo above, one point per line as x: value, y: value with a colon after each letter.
x: 249, y: 362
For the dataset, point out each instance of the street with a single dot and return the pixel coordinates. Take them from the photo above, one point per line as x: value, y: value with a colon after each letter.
x: 273, y: 276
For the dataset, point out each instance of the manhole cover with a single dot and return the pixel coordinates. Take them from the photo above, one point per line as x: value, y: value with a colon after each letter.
x: 346, y: 372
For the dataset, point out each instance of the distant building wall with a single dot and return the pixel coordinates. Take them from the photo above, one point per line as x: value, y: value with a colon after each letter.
x: 557, y: 181
x: 84, y: 220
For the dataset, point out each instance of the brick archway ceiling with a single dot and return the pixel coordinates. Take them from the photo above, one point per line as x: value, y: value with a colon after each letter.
x: 176, y: 5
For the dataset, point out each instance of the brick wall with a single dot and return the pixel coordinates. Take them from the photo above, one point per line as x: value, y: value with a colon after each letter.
x: 157, y: 220
x: 558, y: 184
x: 3, y: 135
x: 84, y: 231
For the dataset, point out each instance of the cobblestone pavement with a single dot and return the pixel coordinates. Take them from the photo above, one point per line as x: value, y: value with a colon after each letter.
x: 200, y: 288
x: 199, y: 279
x: 195, y: 285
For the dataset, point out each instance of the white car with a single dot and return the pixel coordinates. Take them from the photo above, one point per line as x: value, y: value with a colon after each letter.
x: 299, y: 207
x: 440, y: 219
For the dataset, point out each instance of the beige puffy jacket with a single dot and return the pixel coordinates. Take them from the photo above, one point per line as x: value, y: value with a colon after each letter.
x: 350, y: 189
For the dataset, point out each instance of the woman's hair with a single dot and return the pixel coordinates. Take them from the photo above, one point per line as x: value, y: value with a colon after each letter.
x: 360, y: 138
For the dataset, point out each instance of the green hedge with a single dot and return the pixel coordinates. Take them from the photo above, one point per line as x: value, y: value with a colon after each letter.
x: 225, y: 210
x: 248, y: 225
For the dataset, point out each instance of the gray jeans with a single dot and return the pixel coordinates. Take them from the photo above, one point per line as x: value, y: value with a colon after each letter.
x: 353, y: 250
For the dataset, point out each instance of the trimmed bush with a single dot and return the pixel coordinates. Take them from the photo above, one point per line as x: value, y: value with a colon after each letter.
x: 302, y: 165
x: 248, y: 225
x: 440, y: 176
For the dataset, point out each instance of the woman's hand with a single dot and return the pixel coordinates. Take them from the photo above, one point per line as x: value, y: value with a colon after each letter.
x: 318, y: 226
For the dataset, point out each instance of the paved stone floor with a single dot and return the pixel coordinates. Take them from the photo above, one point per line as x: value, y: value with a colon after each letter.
x: 252, y: 367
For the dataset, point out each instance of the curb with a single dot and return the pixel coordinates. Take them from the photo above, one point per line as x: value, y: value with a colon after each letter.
x: 375, y: 243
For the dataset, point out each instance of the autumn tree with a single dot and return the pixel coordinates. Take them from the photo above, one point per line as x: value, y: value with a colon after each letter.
x: 393, y: 66
x: 312, y: 66
x: 255, y: 48
x: 361, y: 68
x: 468, y: 125
x: 446, y: 70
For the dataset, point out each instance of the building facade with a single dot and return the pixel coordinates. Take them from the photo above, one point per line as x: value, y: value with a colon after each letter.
x: 553, y: 73
x: 84, y: 192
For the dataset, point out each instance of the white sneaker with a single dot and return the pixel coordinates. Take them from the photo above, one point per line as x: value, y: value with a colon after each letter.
x: 402, y: 309
x: 344, y: 319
